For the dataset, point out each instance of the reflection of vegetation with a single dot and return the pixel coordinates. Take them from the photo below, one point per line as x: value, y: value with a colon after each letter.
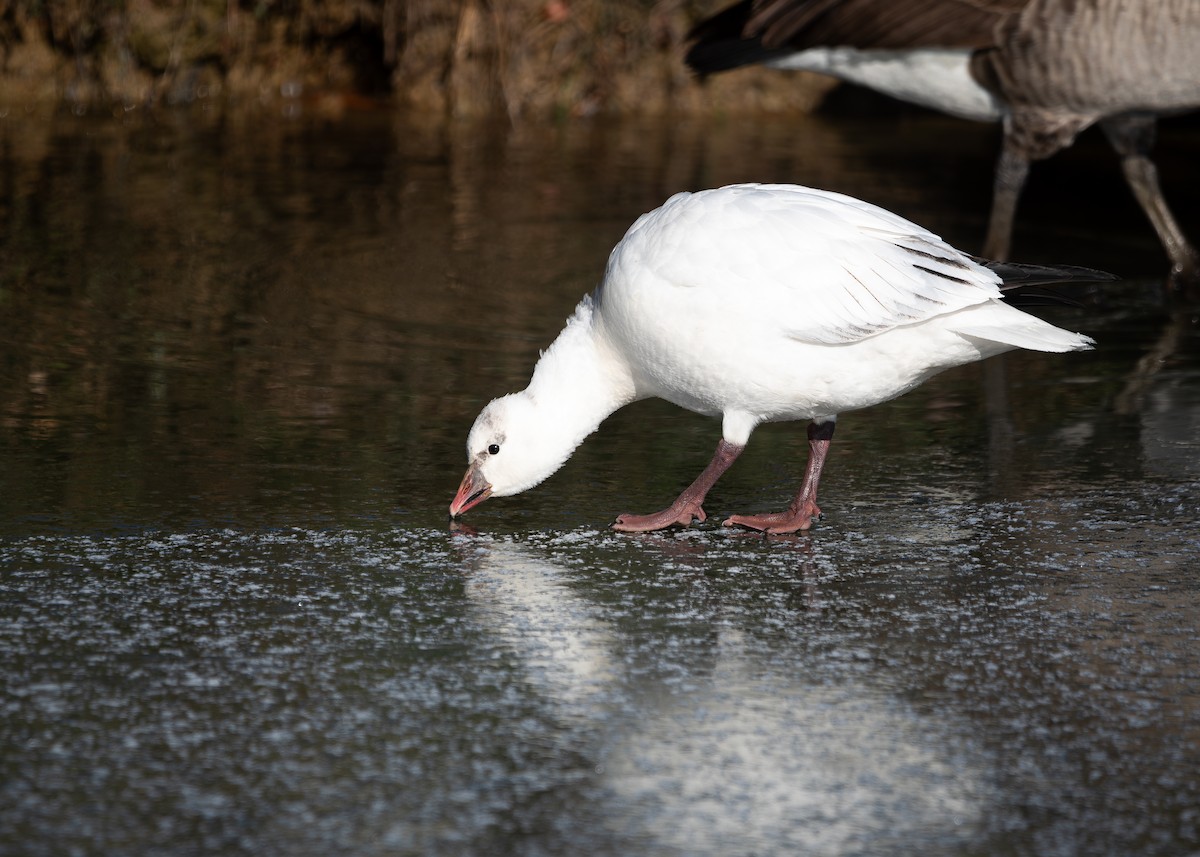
x: 201, y: 311
x: 175, y: 312
x: 461, y: 56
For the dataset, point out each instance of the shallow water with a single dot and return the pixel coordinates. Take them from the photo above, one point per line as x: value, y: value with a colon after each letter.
x: 238, y: 365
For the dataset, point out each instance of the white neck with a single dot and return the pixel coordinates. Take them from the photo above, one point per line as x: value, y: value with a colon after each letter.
x: 579, y: 381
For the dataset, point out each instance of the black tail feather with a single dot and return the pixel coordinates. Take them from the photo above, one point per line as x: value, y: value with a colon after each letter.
x: 718, y: 43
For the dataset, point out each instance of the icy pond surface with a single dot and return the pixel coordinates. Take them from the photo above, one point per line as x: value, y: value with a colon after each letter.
x: 238, y: 363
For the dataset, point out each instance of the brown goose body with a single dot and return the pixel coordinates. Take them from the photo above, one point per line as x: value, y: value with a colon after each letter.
x: 1047, y: 69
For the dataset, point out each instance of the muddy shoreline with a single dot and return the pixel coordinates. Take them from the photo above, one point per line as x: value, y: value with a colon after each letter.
x: 527, y: 59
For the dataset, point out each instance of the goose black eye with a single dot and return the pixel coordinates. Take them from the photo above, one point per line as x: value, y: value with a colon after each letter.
x: 493, y: 449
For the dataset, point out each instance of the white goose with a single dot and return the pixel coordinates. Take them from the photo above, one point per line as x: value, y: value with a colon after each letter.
x: 755, y: 303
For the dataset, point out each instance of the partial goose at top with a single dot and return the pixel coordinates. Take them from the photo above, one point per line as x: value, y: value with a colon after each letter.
x: 1047, y: 69
x: 755, y: 303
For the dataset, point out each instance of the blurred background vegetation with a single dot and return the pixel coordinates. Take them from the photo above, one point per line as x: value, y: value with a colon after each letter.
x: 529, y: 59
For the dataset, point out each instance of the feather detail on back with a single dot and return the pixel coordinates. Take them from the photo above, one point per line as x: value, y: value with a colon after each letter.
x: 832, y: 269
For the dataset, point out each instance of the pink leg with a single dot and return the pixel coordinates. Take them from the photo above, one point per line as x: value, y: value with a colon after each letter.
x: 803, y: 510
x: 687, y: 506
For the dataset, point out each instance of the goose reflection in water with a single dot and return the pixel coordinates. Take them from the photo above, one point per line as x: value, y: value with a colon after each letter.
x: 721, y: 751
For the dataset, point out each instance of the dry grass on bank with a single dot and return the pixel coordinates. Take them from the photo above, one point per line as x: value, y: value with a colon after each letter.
x: 525, y: 58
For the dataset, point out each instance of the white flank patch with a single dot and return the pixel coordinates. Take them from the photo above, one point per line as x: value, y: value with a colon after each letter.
x: 936, y: 78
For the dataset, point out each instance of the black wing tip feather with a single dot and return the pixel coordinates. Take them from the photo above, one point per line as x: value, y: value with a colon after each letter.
x: 1019, y: 274
x: 1020, y: 281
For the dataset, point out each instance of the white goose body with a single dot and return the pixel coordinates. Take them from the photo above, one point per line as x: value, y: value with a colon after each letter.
x: 755, y: 303
x: 776, y: 302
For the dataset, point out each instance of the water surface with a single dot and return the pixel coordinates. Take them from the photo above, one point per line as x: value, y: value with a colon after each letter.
x: 238, y: 362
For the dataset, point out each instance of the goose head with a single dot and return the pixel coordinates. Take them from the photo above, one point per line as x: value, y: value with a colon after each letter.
x: 511, y: 447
